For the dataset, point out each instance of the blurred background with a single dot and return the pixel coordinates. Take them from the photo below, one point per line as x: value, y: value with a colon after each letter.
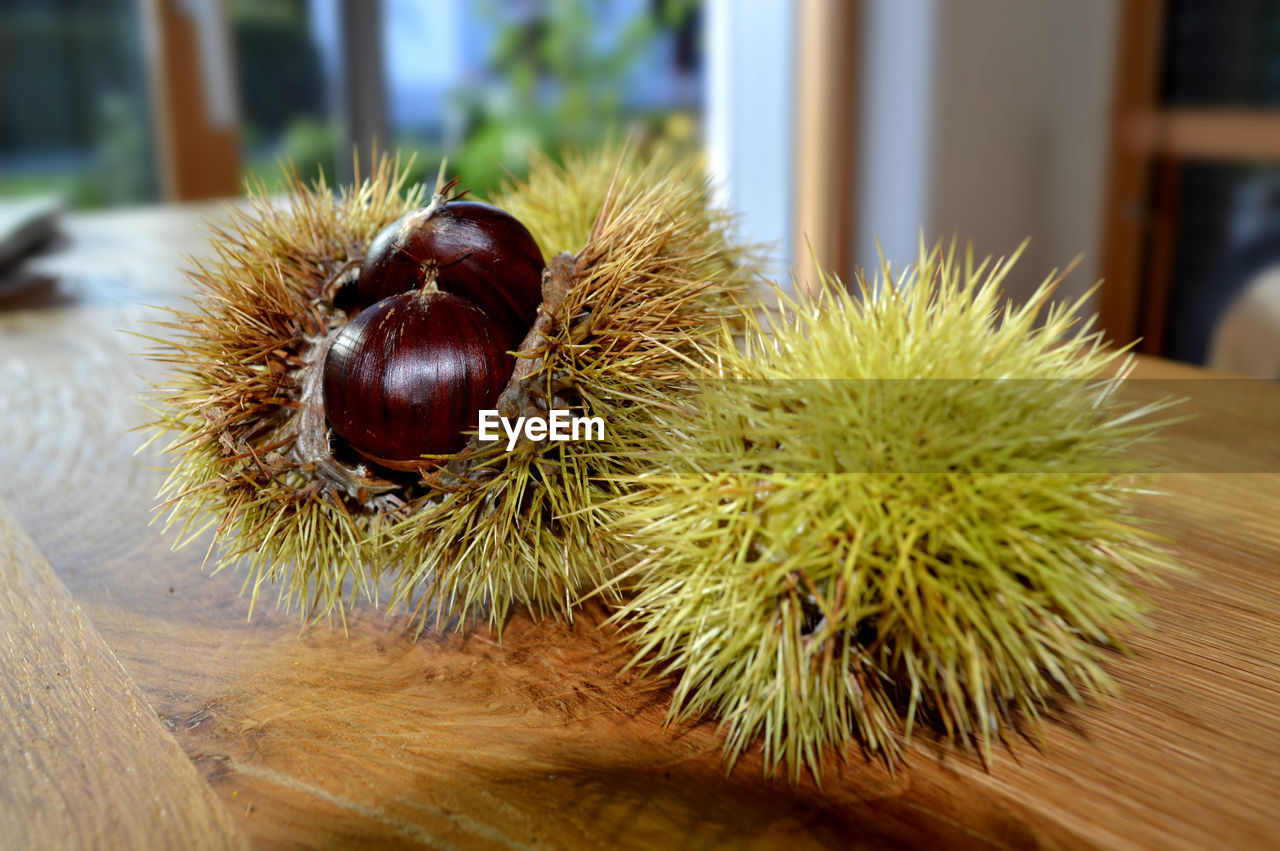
x: 1144, y: 134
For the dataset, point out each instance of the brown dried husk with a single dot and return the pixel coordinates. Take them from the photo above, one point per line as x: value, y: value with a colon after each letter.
x: 621, y: 334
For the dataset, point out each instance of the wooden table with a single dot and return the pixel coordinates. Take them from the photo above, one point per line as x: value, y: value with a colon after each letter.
x: 142, y: 706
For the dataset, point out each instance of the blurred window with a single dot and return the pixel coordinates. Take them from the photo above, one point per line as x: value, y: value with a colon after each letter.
x: 1228, y: 232
x: 1222, y: 53
x: 1198, y: 110
x: 1226, y: 215
x: 482, y: 82
x: 73, y: 102
x: 286, y: 72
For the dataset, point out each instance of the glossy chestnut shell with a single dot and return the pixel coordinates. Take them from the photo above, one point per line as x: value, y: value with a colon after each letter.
x: 474, y: 250
x: 408, y: 376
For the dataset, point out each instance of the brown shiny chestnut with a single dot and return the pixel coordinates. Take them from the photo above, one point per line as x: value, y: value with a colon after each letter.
x: 409, y: 375
x: 474, y: 250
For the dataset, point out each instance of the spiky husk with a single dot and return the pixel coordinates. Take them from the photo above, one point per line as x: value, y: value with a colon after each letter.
x: 907, y: 502
x: 654, y: 276
x: 655, y: 281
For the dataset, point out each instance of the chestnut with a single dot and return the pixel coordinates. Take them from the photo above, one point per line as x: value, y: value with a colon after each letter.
x: 409, y: 375
x: 473, y: 250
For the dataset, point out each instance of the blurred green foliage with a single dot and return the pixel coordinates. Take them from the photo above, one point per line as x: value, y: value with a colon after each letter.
x: 74, y: 109
x: 560, y: 85
x: 554, y: 83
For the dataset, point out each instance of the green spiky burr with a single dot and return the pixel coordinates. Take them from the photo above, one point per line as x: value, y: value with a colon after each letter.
x: 644, y: 277
x: 899, y: 505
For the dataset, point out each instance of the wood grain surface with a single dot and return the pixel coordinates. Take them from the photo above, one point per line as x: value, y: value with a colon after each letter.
x: 357, y: 735
x: 85, y: 761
